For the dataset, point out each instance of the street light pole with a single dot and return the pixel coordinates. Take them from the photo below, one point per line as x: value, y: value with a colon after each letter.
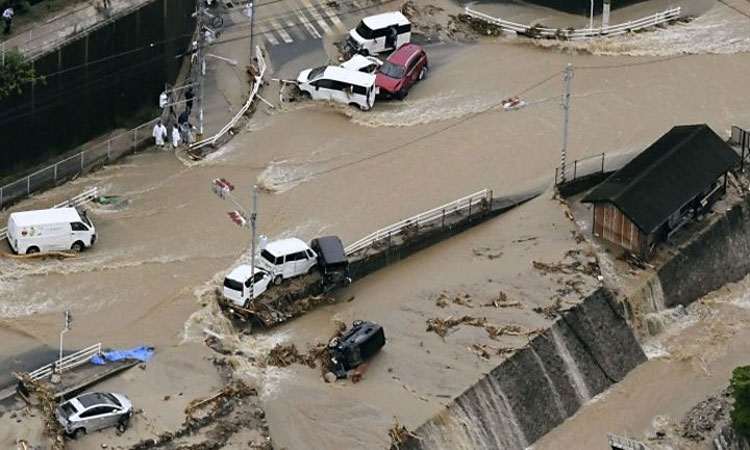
x: 566, y: 109
x: 201, y: 64
x: 591, y: 16
x: 66, y: 326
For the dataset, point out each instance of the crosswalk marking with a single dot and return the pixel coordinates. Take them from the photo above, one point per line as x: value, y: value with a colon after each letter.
x: 316, y: 17
x: 268, y: 34
x: 282, y: 32
x: 334, y: 18
x: 308, y: 26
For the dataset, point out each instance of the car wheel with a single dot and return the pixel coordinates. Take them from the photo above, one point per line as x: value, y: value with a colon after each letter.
x: 364, y: 52
x: 401, y: 94
x: 122, y: 426
x: 423, y: 73
x: 304, y: 95
x: 333, y: 342
x: 77, y: 246
x: 277, y: 280
x: 32, y: 250
x: 246, y: 305
x: 79, y: 433
x: 356, y: 323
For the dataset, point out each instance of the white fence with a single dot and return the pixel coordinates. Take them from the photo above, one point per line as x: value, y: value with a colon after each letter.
x: 577, y: 34
x: 52, y: 175
x: 68, y: 362
x: 473, y: 202
x: 79, y: 199
x: 253, y: 94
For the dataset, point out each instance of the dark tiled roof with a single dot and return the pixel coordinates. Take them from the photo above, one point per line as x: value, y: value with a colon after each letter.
x: 667, y: 175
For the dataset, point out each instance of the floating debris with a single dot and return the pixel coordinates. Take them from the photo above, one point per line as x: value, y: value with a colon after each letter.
x: 399, y: 435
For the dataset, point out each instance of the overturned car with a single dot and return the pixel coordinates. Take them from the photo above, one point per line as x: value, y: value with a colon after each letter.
x: 361, y: 342
x: 332, y: 262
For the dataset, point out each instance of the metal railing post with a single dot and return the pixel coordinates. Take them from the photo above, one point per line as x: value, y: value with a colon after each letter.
x: 28, y: 185
x: 575, y: 168
x: 81, y: 161
x: 55, y: 170
x: 443, y: 226
x: 602, y: 162
x: 135, y: 139
x: 109, y: 150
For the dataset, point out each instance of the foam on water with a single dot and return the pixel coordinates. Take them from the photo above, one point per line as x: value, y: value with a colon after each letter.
x: 433, y: 108
x: 281, y: 176
x: 721, y: 30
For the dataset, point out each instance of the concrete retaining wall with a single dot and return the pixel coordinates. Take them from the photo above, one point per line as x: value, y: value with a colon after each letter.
x: 101, y: 81
x: 588, y: 349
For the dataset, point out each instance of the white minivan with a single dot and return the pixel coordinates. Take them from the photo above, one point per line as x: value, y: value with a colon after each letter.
x: 49, y: 230
x: 287, y: 258
x: 339, y: 85
x: 238, y: 284
x: 380, y: 33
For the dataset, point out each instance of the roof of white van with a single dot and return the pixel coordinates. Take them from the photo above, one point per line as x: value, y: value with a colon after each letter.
x: 286, y: 246
x: 45, y: 217
x: 383, y: 20
x: 349, y: 76
x: 242, y: 272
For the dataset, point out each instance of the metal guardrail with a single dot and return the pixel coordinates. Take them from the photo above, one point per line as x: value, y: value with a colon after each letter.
x: 79, y: 199
x: 474, y: 200
x: 253, y: 94
x: 66, y: 363
x: 52, y: 175
x: 577, y: 34
x: 623, y: 443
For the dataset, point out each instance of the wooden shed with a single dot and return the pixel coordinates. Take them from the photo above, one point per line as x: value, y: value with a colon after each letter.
x: 678, y: 177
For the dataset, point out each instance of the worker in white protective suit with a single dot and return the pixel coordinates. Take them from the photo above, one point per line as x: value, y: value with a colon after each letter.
x: 159, y: 134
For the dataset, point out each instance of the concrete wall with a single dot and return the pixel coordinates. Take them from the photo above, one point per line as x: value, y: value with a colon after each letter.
x: 588, y: 349
x: 104, y: 80
x: 721, y: 254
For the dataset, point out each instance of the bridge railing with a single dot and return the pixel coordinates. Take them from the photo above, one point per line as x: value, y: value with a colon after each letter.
x: 473, y: 202
x: 66, y: 363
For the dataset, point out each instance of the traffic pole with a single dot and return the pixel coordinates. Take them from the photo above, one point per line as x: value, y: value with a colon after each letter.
x: 566, y: 110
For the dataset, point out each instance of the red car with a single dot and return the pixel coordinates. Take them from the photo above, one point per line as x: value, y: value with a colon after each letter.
x: 404, y: 67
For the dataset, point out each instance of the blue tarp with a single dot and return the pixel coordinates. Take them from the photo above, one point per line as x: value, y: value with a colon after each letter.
x: 141, y: 353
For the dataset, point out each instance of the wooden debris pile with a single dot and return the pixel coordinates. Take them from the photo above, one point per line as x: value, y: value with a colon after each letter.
x: 502, y: 301
x: 48, y: 405
x: 399, y: 434
x: 442, y: 327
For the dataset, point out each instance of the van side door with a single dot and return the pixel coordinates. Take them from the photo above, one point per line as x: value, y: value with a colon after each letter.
x: 323, y: 89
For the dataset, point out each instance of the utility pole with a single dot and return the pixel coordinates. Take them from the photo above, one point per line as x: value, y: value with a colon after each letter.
x: 566, y: 109
x: 253, y: 216
x: 591, y: 16
x: 201, y: 64
x: 605, y: 16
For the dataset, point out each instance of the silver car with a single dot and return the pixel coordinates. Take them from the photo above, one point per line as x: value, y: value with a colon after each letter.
x: 94, y: 411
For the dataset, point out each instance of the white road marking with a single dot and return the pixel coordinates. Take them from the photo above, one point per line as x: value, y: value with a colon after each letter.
x: 282, y: 32
x: 316, y: 17
x: 334, y: 18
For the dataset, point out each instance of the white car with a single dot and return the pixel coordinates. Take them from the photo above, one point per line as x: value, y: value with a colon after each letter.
x: 380, y: 33
x: 287, y: 258
x: 47, y: 230
x: 365, y: 64
x: 239, y: 283
x: 94, y: 411
x: 339, y: 85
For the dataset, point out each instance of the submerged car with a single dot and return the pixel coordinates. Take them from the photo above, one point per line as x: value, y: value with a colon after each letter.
x: 338, y: 85
x: 401, y: 70
x: 361, y: 342
x: 365, y: 64
x: 94, y: 411
x: 379, y: 33
x: 239, y: 284
x: 332, y: 262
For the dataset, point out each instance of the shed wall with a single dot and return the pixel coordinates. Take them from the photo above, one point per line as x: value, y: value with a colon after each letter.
x: 612, y: 225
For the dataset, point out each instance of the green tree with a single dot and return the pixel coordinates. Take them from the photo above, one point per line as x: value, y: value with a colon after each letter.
x: 741, y: 391
x: 15, y: 73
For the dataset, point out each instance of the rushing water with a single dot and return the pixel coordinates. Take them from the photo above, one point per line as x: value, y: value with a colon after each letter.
x: 571, y: 368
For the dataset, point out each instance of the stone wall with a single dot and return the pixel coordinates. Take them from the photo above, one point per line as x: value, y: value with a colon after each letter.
x: 586, y: 350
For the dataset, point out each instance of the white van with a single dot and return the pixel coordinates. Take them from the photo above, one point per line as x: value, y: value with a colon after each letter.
x: 238, y: 283
x: 339, y: 85
x: 380, y: 33
x: 287, y: 258
x: 48, y: 230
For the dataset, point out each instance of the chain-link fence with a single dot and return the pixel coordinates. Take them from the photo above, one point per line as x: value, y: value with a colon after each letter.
x: 81, y: 162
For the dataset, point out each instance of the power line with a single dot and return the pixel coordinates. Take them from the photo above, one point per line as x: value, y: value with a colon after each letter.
x: 417, y: 139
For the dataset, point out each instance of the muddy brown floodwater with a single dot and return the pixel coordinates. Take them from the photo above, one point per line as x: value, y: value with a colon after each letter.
x: 332, y: 170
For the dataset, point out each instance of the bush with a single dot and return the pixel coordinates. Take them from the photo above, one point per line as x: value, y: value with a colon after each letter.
x: 15, y: 74
x: 741, y: 391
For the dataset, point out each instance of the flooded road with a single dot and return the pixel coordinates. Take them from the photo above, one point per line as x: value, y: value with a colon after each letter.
x: 332, y: 170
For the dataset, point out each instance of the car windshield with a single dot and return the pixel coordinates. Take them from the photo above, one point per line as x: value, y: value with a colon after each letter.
x: 364, y: 31
x: 232, y: 284
x: 265, y: 254
x: 316, y: 73
x: 391, y: 70
x: 67, y: 409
